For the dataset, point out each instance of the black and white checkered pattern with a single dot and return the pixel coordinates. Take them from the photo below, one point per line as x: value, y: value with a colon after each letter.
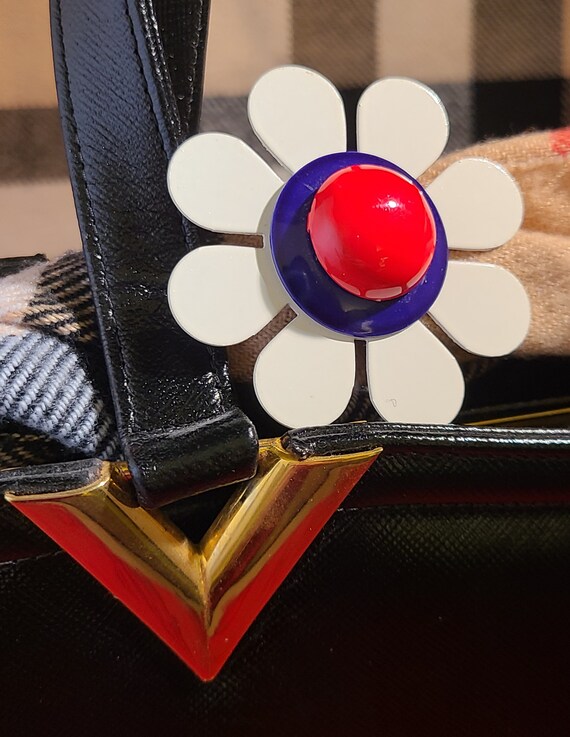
x: 54, y: 398
x: 500, y: 66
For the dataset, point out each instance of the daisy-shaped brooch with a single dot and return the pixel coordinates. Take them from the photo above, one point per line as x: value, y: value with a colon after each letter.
x: 353, y: 244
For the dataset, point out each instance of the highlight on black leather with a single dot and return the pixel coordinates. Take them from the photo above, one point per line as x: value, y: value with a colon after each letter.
x: 357, y: 437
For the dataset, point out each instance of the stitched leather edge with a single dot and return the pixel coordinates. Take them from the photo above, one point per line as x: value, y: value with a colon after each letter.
x: 242, y: 440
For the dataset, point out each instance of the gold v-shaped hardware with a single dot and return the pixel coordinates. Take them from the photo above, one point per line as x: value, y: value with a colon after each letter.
x: 199, y: 599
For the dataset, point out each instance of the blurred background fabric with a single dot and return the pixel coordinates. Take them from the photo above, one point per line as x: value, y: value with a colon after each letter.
x: 500, y: 66
x: 36, y: 205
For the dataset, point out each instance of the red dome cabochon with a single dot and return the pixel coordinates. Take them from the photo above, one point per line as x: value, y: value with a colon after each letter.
x: 372, y: 231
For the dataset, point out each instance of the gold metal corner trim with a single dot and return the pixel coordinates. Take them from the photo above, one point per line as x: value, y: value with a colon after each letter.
x: 199, y: 599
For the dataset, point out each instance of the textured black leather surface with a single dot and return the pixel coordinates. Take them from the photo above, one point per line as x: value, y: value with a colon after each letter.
x: 423, y: 621
x: 427, y: 466
x: 182, y: 29
x: 121, y: 124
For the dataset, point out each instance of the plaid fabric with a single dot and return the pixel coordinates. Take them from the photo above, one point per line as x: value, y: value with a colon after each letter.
x: 54, y: 399
x: 62, y: 304
x: 36, y: 205
x: 500, y: 66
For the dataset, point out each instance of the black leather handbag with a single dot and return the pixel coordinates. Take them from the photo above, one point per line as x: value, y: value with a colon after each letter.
x: 433, y: 602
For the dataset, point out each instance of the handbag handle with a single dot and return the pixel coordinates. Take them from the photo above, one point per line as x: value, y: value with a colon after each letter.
x: 124, y: 111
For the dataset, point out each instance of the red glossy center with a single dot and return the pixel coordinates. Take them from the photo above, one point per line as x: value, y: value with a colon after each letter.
x: 372, y: 231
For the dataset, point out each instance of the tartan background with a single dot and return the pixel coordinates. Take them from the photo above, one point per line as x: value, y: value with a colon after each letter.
x: 501, y: 67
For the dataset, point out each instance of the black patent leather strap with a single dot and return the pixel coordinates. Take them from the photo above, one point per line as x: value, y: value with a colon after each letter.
x: 180, y: 430
x: 362, y: 436
x: 451, y: 464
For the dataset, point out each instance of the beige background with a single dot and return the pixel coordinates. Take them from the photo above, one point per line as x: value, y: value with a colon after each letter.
x: 35, y: 216
x: 39, y: 216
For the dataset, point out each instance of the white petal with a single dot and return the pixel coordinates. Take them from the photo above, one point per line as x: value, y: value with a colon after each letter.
x: 412, y: 377
x: 298, y: 115
x: 304, y: 378
x: 218, y: 296
x: 480, y: 204
x: 403, y: 121
x: 483, y: 307
x: 219, y: 183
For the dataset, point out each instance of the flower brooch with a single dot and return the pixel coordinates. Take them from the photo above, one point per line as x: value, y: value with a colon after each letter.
x: 354, y: 244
